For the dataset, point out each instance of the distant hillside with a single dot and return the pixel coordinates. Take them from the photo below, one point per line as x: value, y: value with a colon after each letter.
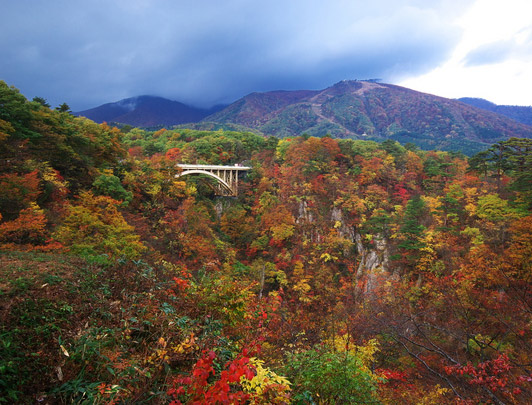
x: 215, y: 126
x: 369, y: 110
x: 519, y: 113
x: 147, y: 111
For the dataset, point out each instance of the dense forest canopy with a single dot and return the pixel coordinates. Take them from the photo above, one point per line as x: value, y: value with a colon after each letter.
x: 346, y: 271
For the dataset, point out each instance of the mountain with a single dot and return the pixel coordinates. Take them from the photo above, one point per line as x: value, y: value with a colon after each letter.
x: 519, y: 113
x: 147, y: 111
x: 370, y: 110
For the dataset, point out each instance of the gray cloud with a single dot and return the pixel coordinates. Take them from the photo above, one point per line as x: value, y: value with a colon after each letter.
x: 499, y: 51
x: 205, y: 52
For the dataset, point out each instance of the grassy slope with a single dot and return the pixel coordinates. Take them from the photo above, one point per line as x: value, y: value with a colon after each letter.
x: 63, y: 319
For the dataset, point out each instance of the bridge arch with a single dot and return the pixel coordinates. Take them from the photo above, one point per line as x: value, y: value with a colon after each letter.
x: 226, y: 176
x: 226, y: 187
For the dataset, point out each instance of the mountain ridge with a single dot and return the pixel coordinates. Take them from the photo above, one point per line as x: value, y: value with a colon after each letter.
x: 147, y: 111
x: 372, y: 110
x: 522, y: 114
x: 358, y: 109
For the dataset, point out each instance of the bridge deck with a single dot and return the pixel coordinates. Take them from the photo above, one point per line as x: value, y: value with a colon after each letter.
x: 212, y: 167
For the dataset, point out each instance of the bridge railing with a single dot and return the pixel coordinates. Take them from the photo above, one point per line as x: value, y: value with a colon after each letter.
x: 213, y: 167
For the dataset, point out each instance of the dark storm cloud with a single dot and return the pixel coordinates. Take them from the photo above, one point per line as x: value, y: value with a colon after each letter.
x: 205, y: 52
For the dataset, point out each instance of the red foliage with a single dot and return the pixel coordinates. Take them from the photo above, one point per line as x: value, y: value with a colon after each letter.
x: 29, y: 227
x: 401, y: 193
x: 182, y: 282
x: 136, y: 151
x: 173, y: 154
x: 196, y: 389
x: 392, y: 376
x: 492, y: 374
x: 19, y: 190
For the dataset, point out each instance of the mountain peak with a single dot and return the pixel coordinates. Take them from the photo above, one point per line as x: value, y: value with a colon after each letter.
x: 354, y: 86
x: 147, y: 111
x: 368, y: 109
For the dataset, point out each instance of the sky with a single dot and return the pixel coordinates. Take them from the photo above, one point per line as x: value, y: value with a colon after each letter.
x: 206, y: 52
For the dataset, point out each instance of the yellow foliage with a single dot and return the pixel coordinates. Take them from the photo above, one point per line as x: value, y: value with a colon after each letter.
x: 282, y: 147
x: 95, y: 226
x: 428, y: 252
x: 365, y: 353
x: 434, y: 397
x: 471, y: 194
x: 389, y: 162
x: 158, y: 133
x: 471, y: 209
x: 266, y: 387
x: 398, y: 210
x: 163, y: 351
x: 6, y: 129
x: 474, y: 233
x: 51, y: 176
x: 301, y: 286
x: 160, y: 354
x: 154, y: 189
x: 282, y: 231
x: 178, y: 189
x: 326, y: 257
x: 191, y: 190
x: 279, y: 276
x: 187, y: 346
x: 434, y: 204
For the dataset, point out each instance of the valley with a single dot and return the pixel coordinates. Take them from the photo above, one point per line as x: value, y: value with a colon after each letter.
x: 342, y: 271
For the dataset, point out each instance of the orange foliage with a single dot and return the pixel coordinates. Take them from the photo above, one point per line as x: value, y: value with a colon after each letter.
x: 18, y: 191
x: 28, y: 228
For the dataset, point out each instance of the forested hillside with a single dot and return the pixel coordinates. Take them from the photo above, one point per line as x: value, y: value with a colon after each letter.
x: 346, y: 271
x: 522, y: 114
x: 359, y: 109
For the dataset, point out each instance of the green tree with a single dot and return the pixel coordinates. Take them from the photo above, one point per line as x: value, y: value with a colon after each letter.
x: 110, y: 185
x: 412, y: 229
x: 63, y: 108
x: 330, y: 377
x: 41, y: 101
x: 512, y: 157
x: 15, y: 110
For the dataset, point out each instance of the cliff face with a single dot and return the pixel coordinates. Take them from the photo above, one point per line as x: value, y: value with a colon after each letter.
x: 372, y: 262
x: 373, y: 259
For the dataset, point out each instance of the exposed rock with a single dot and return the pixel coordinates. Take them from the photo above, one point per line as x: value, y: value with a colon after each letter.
x: 221, y: 204
x: 304, y: 214
x: 344, y: 230
x: 372, y: 262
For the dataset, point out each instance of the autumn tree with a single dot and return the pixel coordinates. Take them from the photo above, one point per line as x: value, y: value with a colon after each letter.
x: 94, y: 225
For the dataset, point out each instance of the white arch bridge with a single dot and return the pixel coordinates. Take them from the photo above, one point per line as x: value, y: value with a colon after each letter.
x: 226, y: 176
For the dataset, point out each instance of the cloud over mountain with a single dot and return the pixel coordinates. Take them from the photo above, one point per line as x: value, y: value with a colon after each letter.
x: 205, y: 52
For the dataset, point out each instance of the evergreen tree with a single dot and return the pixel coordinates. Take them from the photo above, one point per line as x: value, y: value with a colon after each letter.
x: 64, y: 108
x: 412, y: 229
